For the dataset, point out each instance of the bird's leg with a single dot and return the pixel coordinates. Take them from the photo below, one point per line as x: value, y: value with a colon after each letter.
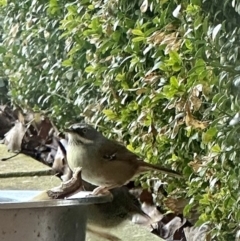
x: 103, y: 190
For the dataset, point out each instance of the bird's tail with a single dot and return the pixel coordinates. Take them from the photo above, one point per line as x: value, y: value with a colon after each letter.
x: 150, y: 167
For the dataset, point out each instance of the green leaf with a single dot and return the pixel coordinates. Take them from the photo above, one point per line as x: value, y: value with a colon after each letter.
x: 3, y: 2
x: 110, y: 114
x: 187, y: 209
x: 176, y: 67
x: 67, y: 62
x: 2, y: 50
x: 174, y: 82
x: 138, y: 39
x: 120, y: 77
x: 174, y: 56
x: 216, y: 148
x: 137, y: 32
x: 89, y: 69
x: 188, y: 44
x: 209, y: 135
x: 2, y: 84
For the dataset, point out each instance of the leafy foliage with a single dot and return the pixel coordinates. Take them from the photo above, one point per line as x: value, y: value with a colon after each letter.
x: 161, y: 75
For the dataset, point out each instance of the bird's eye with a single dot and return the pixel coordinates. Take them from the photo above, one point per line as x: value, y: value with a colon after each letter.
x: 84, y: 130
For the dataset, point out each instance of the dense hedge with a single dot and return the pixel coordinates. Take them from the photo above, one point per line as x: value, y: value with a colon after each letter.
x: 162, y: 76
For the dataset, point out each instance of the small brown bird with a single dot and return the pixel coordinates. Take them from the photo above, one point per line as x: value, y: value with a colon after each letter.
x: 105, y: 163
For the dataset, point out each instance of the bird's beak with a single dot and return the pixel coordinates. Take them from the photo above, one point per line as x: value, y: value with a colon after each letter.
x: 68, y: 130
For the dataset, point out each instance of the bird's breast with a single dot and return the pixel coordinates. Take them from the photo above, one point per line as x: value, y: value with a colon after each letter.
x: 77, y: 156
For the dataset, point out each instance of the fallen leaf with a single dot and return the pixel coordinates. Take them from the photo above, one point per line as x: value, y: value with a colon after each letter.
x: 197, y: 233
x: 13, y: 138
x: 21, y: 117
x: 7, y: 119
x: 44, y: 128
x: 146, y: 197
x: 169, y: 230
x: 152, y: 212
x: 60, y: 164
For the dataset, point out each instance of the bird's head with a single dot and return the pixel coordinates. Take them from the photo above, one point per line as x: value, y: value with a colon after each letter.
x: 81, y: 133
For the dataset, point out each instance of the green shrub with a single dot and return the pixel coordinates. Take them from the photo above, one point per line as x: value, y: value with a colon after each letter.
x: 163, y: 76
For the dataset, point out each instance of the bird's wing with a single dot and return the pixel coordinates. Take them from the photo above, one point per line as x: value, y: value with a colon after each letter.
x: 113, y: 150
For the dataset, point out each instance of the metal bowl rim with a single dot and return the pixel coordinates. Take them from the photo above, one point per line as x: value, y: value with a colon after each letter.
x: 40, y: 204
x: 53, y: 203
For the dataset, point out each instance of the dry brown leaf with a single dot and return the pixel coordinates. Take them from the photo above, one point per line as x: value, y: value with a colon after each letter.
x: 151, y: 78
x: 176, y: 205
x: 21, y: 117
x: 197, y: 90
x: 156, y: 37
x: 195, y: 97
x: 196, y: 124
x: 195, y: 103
x: 171, y: 40
x: 44, y: 128
x: 180, y: 104
x: 7, y: 119
x: 13, y: 138
x: 191, y: 121
x: 198, y: 162
x: 164, y: 130
x: 195, y: 165
x: 30, y: 138
x: 202, y: 162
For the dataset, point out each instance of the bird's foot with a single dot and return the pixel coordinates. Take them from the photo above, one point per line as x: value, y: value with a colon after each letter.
x: 100, y: 191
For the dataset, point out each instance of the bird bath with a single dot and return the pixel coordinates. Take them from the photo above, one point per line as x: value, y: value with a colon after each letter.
x: 52, y: 220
